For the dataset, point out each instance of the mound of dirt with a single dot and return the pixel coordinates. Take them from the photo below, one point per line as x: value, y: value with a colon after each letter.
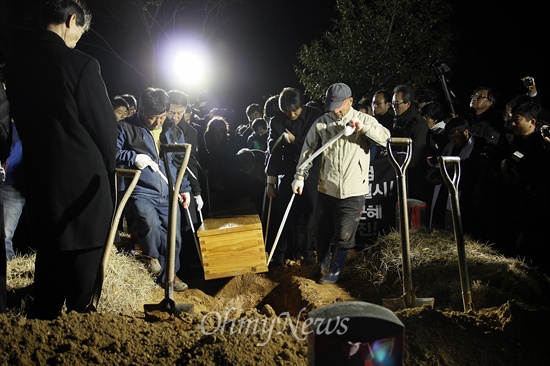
x: 253, y: 319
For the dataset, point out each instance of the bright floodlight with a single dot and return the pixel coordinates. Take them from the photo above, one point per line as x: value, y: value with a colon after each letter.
x: 190, y: 67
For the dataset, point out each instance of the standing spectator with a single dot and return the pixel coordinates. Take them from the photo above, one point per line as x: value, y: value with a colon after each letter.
x: 132, y: 103
x: 69, y: 135
x: 258, y: 139
x: 524, y: 186
x: 409, y: 123
x: 485, y: 120
x: 383, y: 112
x: 271, y: 109
x: 147, y: 210
x: 12, y: 192
x: 363, y: 106
x: 298, y: 234
x: 120, y: 107
x: 343, y: 178
x: 244, y: 130
x: 435, y: 116
x: 219, y: 161
x: 179, y: 103
x: 5, y: 123
x: 381, y: 108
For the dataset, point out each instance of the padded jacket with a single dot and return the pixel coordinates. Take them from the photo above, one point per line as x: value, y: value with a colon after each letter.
x: 345, y: 165
x: 134, y: 138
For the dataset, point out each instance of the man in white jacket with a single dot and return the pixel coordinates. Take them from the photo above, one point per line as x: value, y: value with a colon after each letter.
x: 343, y: 177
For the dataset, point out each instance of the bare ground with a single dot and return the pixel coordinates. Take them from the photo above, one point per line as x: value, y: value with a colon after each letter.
x: 507, y: 325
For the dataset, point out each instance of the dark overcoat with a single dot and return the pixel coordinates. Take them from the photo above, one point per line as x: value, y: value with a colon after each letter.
x: 62, y: 111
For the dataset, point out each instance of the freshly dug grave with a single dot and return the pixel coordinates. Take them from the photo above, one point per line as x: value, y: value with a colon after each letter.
x: 507, y: 326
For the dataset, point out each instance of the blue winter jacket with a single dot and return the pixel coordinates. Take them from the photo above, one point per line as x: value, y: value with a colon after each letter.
x: 134, y: 138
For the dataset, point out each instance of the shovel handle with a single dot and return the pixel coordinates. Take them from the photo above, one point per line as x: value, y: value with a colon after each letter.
x: 399, y: 141
x: 451, y: 183
x: 100, y: 277
x: 173, y: 208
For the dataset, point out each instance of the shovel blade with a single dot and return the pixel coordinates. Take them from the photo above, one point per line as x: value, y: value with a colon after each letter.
x: 400, y: 303
x: 169, y: 306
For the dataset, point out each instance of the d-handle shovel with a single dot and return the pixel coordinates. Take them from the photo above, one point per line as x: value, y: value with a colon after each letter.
x: 408, y: 299
x: 168, y: 304
x: 98, y: 285
x: 452, y: 185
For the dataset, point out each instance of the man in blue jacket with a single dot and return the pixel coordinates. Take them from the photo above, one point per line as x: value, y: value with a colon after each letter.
x: 138, y: 143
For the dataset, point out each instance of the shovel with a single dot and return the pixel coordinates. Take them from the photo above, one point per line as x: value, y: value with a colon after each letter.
x: 168, y: 304
x: 346, y: 131
x: 98, y: 285
x: 452, y: 185
x: 408, y: 299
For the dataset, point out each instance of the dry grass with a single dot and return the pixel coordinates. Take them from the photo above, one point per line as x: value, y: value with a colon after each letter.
x: 493, y: 278
x: 376, y: 273
x: 126, y: 287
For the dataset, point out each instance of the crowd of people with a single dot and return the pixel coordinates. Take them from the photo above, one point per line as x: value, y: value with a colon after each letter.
x: 308, y: 159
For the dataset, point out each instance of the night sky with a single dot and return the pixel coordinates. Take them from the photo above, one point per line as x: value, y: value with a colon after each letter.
x: 257, y: 45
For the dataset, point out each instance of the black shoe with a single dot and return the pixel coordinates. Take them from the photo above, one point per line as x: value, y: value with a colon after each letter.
x: 336, y: 266
x: 321, y: 267
x: 309, y: 259
x: 332, y: 275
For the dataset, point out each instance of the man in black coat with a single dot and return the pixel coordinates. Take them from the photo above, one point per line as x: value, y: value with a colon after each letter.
x: 293, y: 125
x: 63, y: 114
x: 409, y: 123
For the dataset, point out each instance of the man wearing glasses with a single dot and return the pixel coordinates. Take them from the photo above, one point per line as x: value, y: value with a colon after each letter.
x: 485, y: 121
x: 409, y: 123
x: 382, y: 108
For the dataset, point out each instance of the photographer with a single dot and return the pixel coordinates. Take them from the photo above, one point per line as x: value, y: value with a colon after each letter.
x: 524, y: 180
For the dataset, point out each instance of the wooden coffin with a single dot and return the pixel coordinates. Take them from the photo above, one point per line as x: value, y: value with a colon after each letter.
x: 232, y: 246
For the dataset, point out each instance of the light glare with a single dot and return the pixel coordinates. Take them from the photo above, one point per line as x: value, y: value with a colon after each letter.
x: 190, y: 68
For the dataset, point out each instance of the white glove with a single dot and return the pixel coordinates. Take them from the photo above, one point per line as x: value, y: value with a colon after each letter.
x: 199, y: 202
x: 143, y: 161
x: 297, y: 186
x: 357, y: 124
x: 349, y: 129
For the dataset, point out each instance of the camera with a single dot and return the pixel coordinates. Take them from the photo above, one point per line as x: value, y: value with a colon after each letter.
x: 527, y: 82
x: 513, y: 164
x: 440, y: 66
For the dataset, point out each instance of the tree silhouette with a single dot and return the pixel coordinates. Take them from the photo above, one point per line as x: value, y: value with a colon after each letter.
x: 379, y: 44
